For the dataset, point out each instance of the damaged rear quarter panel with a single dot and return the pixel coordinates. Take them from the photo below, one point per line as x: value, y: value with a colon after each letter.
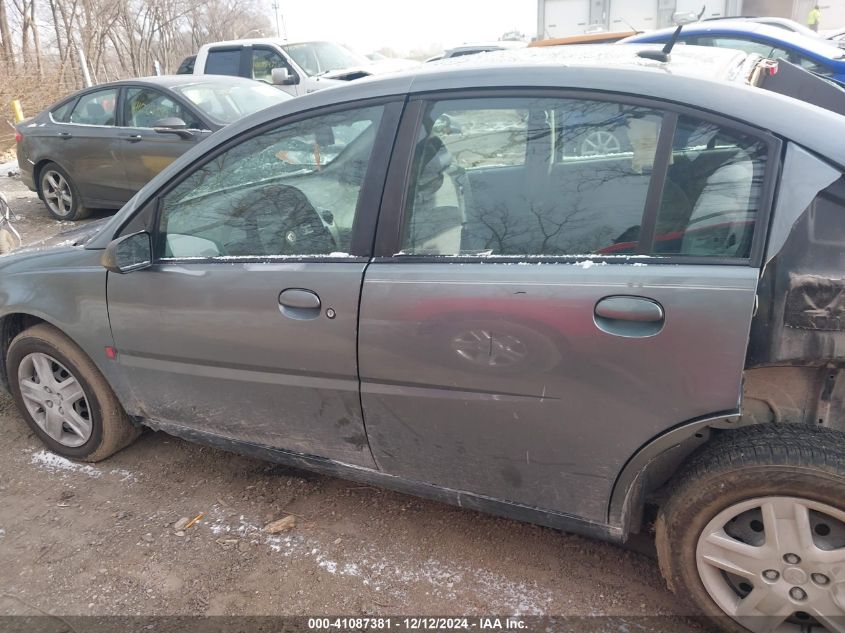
x: 801, y: 315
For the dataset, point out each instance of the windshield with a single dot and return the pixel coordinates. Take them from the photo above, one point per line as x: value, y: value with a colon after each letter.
x: 224, y: 102
x: 317, y: 58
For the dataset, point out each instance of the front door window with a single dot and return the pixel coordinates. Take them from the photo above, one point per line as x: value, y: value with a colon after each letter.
x: 290, y: 191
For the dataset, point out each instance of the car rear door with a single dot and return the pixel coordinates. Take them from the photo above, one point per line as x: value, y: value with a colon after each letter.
x: 245, y: 327
x: 534, y: 313
x: 144, y: 151
x: 90, y: 149
x: 227, y: 60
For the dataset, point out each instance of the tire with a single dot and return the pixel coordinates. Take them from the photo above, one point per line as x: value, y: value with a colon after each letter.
x: 55, y: 187
x: 740, y: 491
x: 94, y: 426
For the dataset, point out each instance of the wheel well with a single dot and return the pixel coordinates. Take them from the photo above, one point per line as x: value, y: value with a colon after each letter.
x: 10, y: 326
x: 36, y: 173
x: 811, y: 396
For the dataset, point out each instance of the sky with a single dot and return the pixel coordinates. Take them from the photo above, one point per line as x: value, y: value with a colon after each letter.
x: 404, y: 25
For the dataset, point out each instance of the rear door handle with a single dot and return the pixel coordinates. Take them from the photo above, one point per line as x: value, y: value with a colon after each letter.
x: 65, y: 135
x: 299, y: 303
x: 629, y: 316
x: 624, y: 308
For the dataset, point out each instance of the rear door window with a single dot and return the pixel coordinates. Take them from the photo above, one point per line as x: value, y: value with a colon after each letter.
x: 95, y: 108
x: 548, y: 177
x: 223, y: 61
x: 529, y: 177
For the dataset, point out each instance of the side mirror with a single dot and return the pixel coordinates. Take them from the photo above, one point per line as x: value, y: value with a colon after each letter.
x: 128, y: 253
x: 172, y: 125
x: 282, y: 77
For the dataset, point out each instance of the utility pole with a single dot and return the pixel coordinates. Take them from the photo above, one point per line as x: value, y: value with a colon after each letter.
x: 83, y: 64
x: 283, y: 29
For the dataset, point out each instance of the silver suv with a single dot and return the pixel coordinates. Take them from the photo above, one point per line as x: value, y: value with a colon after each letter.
x: 421, y: 282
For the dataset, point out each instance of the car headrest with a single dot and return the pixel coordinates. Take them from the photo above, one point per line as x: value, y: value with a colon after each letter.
x: 435, y: 160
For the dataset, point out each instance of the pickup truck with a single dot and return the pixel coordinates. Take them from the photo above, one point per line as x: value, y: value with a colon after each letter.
x: 297, y: 68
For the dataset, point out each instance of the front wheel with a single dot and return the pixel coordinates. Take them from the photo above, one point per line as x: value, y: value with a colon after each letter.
x: 64, y: 398
x: 755, y: 530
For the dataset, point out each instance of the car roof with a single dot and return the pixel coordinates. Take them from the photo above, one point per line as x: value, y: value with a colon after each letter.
x: 262, y: 40
x: 697, y: 61
x: 817, y: 46
x: 602, y: 69
x: 178, y: 81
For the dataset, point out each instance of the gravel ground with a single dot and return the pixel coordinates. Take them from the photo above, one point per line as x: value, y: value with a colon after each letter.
x: 103, y: 539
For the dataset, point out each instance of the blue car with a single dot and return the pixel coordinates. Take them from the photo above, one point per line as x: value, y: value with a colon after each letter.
x: 814, y: 55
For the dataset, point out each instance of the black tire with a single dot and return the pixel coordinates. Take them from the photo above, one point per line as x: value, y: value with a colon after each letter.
x: 75, y: 210
x: 111, y: 429
x: 746, y: 464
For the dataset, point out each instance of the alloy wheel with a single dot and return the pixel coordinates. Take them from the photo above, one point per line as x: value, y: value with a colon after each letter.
x: 777, y: 564
x: 55, y: 399
x: 599, y: 143
x: 57, y: 194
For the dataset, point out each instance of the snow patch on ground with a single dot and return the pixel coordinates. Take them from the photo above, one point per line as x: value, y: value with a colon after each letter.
x: 2, y: 533
x: 376, y: 569
x: 11, y: 166
x: 56, y: 464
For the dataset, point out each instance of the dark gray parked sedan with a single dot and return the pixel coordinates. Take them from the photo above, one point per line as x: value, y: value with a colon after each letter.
x: 413, y: 282
x: 96, y: 148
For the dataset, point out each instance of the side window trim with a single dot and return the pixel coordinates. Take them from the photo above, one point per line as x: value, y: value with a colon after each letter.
x: 391, y: 222
x: 367, y: 210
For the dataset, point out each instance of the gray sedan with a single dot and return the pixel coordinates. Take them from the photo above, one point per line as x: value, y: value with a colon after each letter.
x: 96, y: 148
x: 416, y: 282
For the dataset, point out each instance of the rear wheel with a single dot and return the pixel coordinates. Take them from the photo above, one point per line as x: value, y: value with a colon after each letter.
x: 64, y: 398
x: 755, y: 529
x: 60, y: 195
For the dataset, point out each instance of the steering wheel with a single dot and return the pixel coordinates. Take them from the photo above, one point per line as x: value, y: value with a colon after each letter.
x: 279, y: 220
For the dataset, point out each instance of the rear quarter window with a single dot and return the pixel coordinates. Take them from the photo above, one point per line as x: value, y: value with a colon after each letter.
x: 62, y: 112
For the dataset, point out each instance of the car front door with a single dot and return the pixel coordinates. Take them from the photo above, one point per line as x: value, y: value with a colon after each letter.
x: 245, y: 327
x: 535, y: 312
x: 90, y: 149
x: 144, y: 151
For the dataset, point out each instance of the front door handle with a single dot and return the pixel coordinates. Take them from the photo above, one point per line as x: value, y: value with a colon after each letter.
x: 299, y: 303
x: 629, y: 316
x: 134, y: 138
x: 65, y: 135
